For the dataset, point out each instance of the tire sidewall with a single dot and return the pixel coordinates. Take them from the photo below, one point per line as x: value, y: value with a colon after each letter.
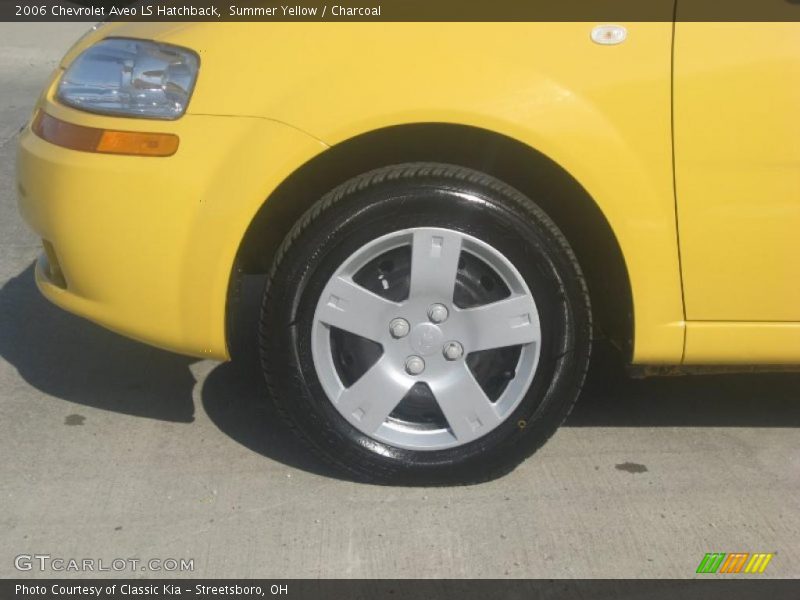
x: 487, y: 210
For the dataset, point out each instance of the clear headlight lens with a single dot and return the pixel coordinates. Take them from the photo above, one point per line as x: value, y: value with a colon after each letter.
x: 132, y: 78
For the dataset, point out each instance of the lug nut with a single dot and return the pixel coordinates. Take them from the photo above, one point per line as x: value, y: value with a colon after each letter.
x: 437, y: 313
x: 415, y: 365
x: 399, y: 328
x: 453, y: 350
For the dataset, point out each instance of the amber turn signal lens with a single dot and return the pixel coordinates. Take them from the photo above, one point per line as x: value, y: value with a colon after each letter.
x: 105, y: 141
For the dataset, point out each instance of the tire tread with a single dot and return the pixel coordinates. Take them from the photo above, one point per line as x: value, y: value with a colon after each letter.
x: 377, y: 472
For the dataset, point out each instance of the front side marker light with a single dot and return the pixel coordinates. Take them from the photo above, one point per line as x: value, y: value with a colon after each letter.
x: 609, y: 35
x: 104, y: 141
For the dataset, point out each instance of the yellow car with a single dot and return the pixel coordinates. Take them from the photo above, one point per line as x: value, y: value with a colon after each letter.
x: 448, y: 213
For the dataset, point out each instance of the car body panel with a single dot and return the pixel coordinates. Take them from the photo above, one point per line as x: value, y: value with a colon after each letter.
x: 270, y: 98
x: 737, y: 169
x: 600, y: 112
x: 737, y: 152
x: 147, y: 244
x: 742, y: 343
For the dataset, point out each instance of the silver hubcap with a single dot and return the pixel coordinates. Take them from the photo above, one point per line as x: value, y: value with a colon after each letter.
x: 427, y: 339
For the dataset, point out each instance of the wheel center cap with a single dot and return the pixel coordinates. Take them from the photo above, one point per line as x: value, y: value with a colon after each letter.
x: 426, y: 339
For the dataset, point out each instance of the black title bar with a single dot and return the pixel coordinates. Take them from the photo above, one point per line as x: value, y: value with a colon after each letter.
x: 411, y: 589
x: 400, y: 10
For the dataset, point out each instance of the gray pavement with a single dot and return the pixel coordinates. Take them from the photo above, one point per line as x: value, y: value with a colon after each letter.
x: 111, y: 449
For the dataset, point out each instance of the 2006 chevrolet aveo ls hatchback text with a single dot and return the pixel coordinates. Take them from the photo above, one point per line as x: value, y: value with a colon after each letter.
x: 448, y: 213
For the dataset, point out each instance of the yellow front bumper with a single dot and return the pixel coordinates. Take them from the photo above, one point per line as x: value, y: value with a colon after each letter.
x: 147, y: 245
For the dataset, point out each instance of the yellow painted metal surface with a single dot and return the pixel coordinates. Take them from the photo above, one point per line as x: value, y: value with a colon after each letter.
x: 737, y: 167
x: 145, y: 244
x: 726, y: 343
x: 601, y: 112
x: 737, y: 151
x: 150, y: 243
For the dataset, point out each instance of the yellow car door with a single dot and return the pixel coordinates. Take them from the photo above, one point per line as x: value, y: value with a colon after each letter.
x: 737, y: 170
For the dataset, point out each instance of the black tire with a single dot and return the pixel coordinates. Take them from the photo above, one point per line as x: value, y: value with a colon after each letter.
x: 424, y: 195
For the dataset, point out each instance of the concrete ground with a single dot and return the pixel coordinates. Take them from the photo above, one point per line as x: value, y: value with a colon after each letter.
x: 114, y: 450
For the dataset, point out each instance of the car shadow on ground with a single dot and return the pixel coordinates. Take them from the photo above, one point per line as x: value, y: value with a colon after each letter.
x: 610, y: 398
x: 236, y: 399
x: 69, y: 358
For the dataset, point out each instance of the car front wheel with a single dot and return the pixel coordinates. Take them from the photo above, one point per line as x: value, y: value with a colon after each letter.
x: 426, y: 324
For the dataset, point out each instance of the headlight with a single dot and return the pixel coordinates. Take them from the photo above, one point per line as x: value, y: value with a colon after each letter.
x: 132, y: 78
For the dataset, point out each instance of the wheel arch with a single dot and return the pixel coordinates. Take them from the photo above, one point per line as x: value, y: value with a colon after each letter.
x: 557, y: 192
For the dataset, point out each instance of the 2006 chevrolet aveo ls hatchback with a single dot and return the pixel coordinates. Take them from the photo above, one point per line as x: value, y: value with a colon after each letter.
x: 448, y: 213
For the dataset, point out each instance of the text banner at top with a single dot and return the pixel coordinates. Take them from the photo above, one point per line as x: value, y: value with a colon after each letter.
x: 400, y: 10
